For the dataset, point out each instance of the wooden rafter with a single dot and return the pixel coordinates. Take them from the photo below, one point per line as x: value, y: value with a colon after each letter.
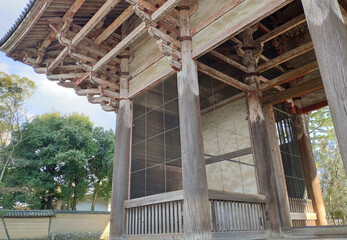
x: 297, y: 91
x: 315, y: 106
x: 222, y: 77
x: 286, y: 56
x: 135, y: 34
x: 115, y: 25
x: 98, y: 16
x: 288, y: 76
x: 281, y: 29
x: 67, y: 20
x: 228, y: 60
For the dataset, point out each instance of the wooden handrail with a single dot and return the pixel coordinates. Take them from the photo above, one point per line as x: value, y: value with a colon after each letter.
x: 178, y: 196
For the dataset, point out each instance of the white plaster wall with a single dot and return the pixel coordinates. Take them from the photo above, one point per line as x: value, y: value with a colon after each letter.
x: 86, y: 204
x: 226, y: 130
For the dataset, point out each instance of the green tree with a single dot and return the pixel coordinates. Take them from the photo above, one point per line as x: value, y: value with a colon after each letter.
x: 329, y: 163
x: 14, y: 90
x: 100, y: 164
x: 53, y: 157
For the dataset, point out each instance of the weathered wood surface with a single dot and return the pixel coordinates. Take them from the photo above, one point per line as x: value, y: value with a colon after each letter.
x: 309, y: 167
x: 196, y: 203
x: 238, y: 197
x: 329, y: 37
x: 259, y: 139
x: 121, y: 166
x: 296, y: 91
x: 222, y: 77
x: 291, y: 75
x: 281, y: 187
x: 230, y: 61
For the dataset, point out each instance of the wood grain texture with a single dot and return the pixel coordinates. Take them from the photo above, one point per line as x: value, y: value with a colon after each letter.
x: 196, y: 205
x: 281, y: 187
x: 329, y: 37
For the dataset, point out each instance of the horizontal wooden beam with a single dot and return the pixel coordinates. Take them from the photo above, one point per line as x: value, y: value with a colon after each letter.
x: 154, y: 199
x: 97, y: 17
x: 297, y: 91
x: 115, y: 25
x: 222, y: 77
x: 64, y: 76
x: 281, y: 29
x: 286, y: 57
x: 229, y: 61
x: 303, y: 216
x: 315, y: 106
x: 288, y: 76
x: 233, y: 196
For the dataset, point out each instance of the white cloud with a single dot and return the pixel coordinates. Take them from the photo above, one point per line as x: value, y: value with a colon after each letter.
x: 4, y: 67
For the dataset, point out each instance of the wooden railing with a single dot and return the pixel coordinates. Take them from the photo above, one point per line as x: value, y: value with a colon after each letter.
x: 302, y: 212
x: 237, y: 212
x: 163, y: 213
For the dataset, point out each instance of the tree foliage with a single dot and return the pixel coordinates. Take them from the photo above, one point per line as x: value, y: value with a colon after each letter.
x: 329, y: 162
x: 14, y: 90
x: 54, y: 161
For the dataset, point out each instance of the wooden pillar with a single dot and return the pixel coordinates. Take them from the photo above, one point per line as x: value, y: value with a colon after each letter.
x: 309, y: 167
x: 329, y: 37
x: 281, y: 187
x: 197, y: 223
x: 259, y: 140
x: 120, y: 181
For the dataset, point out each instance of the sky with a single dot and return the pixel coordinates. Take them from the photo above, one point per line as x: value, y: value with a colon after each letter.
x: 48, y: 96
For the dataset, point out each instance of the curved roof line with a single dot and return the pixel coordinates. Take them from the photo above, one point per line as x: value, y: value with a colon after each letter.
x: 18, y: 22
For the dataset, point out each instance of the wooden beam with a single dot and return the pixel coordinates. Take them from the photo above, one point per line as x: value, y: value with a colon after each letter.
x: 223, y: 103
x: 286, y: 57
x: 237, y: 197
x: 97, y: 17
x: 132, y: 37
x: 291, y: 75
x: 64, y: 76
x: 276, y: 158
x: 197, y: 223
x: 297, y: 91
x: 67, y: 19
x: 281, y: 29
x: 115, y: 25
x: 315, y: 107
x: 230, y: 61
x: 329, y: 37
x: 135, y: 34
x: 222, y: 77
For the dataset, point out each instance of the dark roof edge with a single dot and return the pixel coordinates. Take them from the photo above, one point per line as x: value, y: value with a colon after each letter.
x: 18, y: 22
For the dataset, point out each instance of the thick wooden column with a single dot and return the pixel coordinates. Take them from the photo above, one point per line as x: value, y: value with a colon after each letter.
x: 329, y: 37
x: 309, y: 167
x: 259, y: 140
x: 120, y: 181
x: 197, y: 223
x: 281, y: 187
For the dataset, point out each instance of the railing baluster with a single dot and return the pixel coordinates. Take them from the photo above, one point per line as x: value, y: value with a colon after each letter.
x: 180, y: 220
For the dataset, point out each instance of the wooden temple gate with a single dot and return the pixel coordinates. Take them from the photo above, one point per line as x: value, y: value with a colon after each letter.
x: 117, y: 53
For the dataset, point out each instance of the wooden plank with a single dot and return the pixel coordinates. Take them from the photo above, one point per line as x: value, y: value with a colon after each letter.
x: 228, y: 60
x: 222, y: 77
x: 196, y: 203
x: 154, y: 199
x: 296, y: 91
x: 329, y: 37
x: 288, y: 76
x: 245, y: 14
x: 115, y: 25
x: 303, y: 216
x: 277, y: 164
x: 286, y: 57
x: 233, y: 196
x: 231, y: 155
x: 281, y: 29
